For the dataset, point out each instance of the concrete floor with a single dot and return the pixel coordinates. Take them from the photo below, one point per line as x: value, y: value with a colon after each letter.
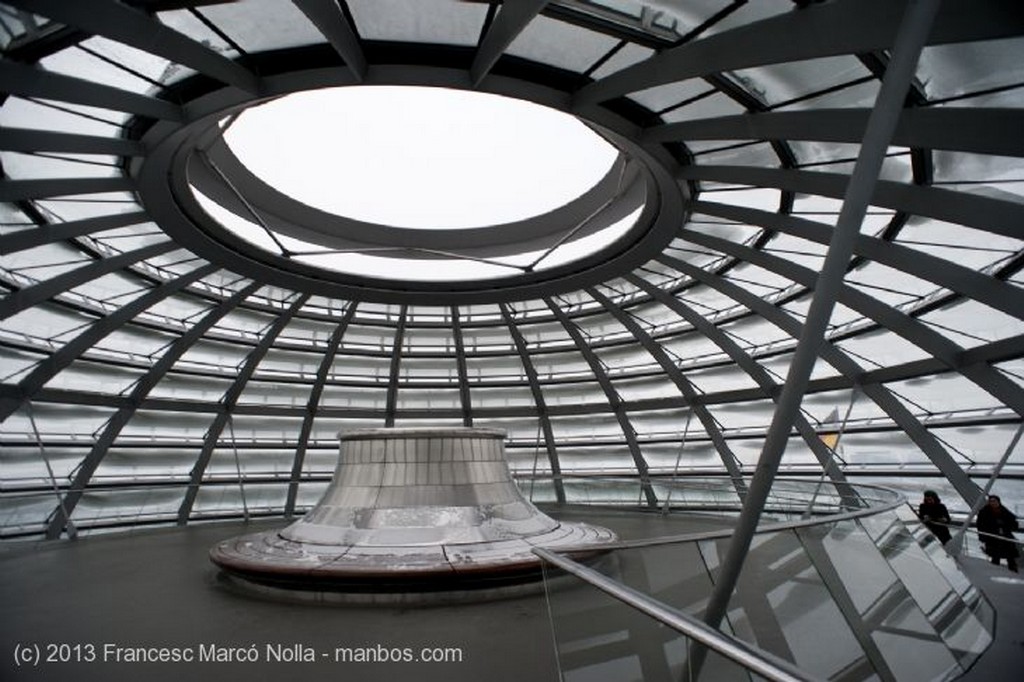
x: 1004, y: 660
x: 158, y: 590
x: 82, y: 599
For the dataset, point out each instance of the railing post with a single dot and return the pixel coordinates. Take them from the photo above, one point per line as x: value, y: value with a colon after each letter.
x: 61, y: 509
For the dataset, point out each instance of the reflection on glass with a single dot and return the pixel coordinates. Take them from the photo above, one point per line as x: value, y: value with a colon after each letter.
x: 782, y: 604
x: 600, y: 638
x: 849, y: 599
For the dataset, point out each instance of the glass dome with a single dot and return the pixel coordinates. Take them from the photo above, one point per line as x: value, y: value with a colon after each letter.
x: 159, y: 369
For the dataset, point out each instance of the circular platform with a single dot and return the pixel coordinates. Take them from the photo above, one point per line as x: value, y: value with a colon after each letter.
x: 411, y: 511
x: 269, y: 559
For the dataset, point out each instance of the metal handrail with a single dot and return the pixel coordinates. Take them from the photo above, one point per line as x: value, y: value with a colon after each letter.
x: 980, y: 533
x: 750, y: 657
x: 896, y: 500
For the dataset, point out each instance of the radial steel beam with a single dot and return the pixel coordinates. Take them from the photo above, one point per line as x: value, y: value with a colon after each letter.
x: 50, y: 366
x: 129, y: 26
x: 15, y: 302
x: 612, y: 396
x: 460, y: 363
x: 821, y: 30
x: 29, y: 140
x: 227, y: 404
x: 56, y: 232
x: 870, y: 382
x: 30, y: 81
x: 940, y: 271
x: 331, y: 21
x: 745, y: 362
x: 729, y: 460
x: 908, y: 41
x: 997, y: 216
x: 21, y: 190
x: 975, y: 130
x: 910, y: 328
x: 326, y: 362
x: 513, y: 17
x: 543, y: 417
x: 391, y: 405
x: 141, y: 389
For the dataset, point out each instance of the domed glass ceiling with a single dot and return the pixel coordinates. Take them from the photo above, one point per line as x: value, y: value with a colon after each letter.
x: 155, y: 368
x: 435, y: 159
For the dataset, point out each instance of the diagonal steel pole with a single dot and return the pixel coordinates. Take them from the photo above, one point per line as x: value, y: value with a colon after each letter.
x: 956, y: 547
x: 910, y: 38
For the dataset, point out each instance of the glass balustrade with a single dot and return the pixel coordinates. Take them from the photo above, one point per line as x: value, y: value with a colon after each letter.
x: 836, y: 582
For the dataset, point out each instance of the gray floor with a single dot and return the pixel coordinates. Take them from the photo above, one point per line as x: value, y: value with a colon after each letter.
x: 1004, y: 661
x: 157, y: 589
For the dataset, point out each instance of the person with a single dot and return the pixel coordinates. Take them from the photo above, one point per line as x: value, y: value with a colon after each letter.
x: 997, y: 520
x: 935, y: 516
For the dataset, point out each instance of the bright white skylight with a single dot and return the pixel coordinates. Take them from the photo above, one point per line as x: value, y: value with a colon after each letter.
x: 370, y: 264
x: 420, y: 157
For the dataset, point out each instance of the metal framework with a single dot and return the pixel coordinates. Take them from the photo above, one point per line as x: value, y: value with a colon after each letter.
x: 737, y: 129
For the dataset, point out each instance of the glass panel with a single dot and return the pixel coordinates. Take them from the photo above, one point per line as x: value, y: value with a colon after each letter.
x: 25, y: 514
x: 40, y: 166
x: 673, y: 573
x: 600, y: 638
x: 882, y: 348
x: 124, y: 507
x: 103, y: 379
x: 964, y: 617
x: 353, y: 396
x: 782, y: 604
x: 627, y: 56
x: 972, y: 173
x: 706, y: 107
x: 186, y: 22
x: 963, y: 245
x: 959, y: 68
x: 155, y: 462
x: 728, y: 153
x: 436, y: 21
x: 85, y: 64
x: 560, y: 44
x: 751, y: 12
x: 258, y: 25
x: 782, y: 82
x: 275, y: 393
x: 672, y: 94
x: 934, y: 595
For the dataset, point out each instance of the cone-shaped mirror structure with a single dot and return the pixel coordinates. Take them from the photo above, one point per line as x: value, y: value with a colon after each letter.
x: 418, y: 508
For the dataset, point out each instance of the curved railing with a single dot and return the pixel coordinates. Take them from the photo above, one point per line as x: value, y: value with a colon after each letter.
x: 835, y: 586
x: 747, y: 657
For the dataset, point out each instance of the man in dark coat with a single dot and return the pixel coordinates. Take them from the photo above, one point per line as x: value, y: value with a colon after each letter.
x: 996, y: 520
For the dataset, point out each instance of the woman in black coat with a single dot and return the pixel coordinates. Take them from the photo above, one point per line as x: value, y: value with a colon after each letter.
x: 935, y: 516
x: 995, y: 519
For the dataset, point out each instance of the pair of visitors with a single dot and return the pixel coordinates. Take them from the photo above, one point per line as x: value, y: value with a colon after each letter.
x: 996, y: 525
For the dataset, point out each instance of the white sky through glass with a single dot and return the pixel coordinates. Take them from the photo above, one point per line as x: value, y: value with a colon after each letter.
x: 420, y: 157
